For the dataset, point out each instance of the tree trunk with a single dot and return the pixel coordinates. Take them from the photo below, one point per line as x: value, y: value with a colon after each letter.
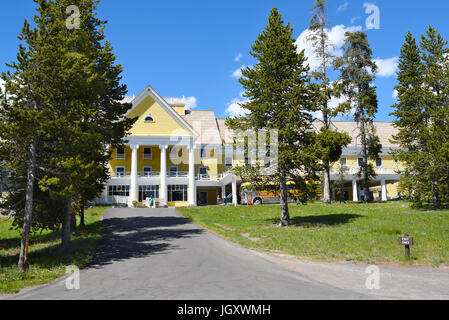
x: 82, y: 223
x: 285, y: 215
x: 29, y: 201
x: 66, y: 231
x: 327, y: 185
x: 435, y: 197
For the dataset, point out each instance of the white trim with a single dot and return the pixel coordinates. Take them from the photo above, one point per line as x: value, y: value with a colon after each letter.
x: 143, y: 153
x: 232, y: 161
x: 143, y: 170
x: 171, y: 167
x: 120, y: 167
x: 149, y: 91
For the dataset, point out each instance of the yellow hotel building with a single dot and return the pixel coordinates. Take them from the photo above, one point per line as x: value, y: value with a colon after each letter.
x: 180, y: 158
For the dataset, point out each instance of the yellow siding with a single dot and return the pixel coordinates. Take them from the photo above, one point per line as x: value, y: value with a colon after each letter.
x: 163, y: 125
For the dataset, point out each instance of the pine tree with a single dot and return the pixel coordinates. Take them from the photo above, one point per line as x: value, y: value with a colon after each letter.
x: 61, y: 109
x: 411, y: 120
x: 330, y: 142
x: 357, y: 72
x: 280, y: 97
x: 436, y: 94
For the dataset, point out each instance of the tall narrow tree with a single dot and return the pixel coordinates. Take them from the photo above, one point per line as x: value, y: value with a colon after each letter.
x: 281, y: 98
x: 329, y: 141
x: 357, y: 73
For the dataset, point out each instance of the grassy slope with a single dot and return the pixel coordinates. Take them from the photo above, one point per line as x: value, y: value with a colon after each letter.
x: 351, y: 232
x: 46, y: 261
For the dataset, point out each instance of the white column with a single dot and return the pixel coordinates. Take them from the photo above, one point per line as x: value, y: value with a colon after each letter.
x: 133, y: 191
x: 192, y: 186
x: 223, y: 192
x: 355, y: 191
x: 234, y: 191
x: 163, y: 195
x: 384, y: 190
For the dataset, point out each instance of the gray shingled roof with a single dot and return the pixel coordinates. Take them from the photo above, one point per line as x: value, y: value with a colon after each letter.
x: 205, y: 123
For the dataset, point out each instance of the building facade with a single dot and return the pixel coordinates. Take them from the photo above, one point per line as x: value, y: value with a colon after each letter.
x: 183, y: 158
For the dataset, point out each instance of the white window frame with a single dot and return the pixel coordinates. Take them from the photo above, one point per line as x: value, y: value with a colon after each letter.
x: 173, y: 167
x: 143, y: 171
x: 124, y: 171
x: 226, y: 162
x: 345, y: 164
x: 358, y: 161
x: 149, y: 116
x: 151, y: 155
x: 117, y: 154
x: 381, y: 162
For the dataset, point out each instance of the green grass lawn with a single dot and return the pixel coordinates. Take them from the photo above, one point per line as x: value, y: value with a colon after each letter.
x: 46, y: 260
x: 353, y: 232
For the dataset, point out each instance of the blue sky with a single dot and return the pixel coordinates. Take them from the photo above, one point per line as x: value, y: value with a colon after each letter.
x: 192, y: 49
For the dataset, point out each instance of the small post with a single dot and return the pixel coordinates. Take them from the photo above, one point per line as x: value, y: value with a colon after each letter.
x: 407, y: 241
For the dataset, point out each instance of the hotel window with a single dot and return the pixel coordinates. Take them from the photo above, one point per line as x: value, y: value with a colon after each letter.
x: 173, y: 171
x: 177, y: 193
x: 147, y: 154
x: 360, y: 161
x: 203, y: 153
x: 378, y: 162
x: 228, y: 162
x: 120, y: 171
x: 121, y: 153
x: 146, y: 192
x: 149, y: 118
x: 147, y: 171
x: 343, y: 162
x: 121, y: 191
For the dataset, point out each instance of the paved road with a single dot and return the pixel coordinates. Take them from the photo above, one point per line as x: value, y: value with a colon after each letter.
x: 157, y: 254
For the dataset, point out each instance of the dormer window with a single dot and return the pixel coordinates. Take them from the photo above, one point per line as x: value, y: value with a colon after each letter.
x: 149, y: 118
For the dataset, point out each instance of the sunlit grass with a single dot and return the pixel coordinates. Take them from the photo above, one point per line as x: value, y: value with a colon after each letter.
x: 352, y: 232
x: 47, y: 262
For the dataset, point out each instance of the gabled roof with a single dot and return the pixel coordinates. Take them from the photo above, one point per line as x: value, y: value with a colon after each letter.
x: 149, y: 91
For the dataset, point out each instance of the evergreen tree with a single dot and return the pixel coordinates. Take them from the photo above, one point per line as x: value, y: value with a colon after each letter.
x: 422, y: 115
x: 61, y: 108
x: 280, y: 97
x: 329, y: 142
x: 357, y: 73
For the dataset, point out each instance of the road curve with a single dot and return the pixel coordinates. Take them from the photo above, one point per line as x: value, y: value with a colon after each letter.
x: 156, y: 254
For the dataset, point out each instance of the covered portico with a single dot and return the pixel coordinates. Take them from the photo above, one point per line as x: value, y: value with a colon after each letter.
x: 163, y: 179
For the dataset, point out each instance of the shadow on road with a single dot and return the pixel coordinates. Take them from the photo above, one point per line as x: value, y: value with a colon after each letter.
x: 138, y: 237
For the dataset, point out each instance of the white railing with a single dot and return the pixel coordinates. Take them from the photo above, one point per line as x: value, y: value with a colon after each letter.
x: 179, y: 174
x: 378, y: 170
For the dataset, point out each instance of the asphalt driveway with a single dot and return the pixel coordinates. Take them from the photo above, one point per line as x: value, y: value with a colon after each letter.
x: 157, y: 254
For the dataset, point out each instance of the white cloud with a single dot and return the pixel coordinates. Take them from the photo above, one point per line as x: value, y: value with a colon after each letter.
x: 395, y: 93
x: 235, y: 108
x: 238, y: 57
x: 238, y: 73
x: 387, y: 67
x: 128, y: 99
x: 336, y: 37
x: 343, y: 7
x: 189, y: 102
